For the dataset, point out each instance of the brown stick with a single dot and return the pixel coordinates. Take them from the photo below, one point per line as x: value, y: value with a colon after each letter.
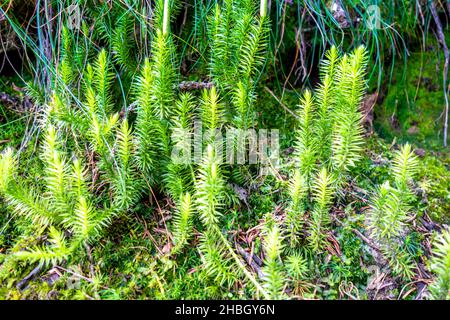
x: 250, y: 261
x: 194, y: 85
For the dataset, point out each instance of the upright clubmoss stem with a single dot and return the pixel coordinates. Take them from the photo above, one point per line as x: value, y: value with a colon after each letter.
x: 166, y: 18
x: 263, y: 8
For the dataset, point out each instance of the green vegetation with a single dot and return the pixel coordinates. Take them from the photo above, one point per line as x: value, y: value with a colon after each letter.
x: 106, y: 191
x: 411, y: 109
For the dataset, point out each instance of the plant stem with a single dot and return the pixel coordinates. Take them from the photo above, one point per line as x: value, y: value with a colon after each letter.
x: 166, y: 18
x: 263, y: 8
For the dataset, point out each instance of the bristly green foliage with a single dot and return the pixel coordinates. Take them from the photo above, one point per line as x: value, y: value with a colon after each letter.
x: 238, y: 43
x: 210, y: 189
x: 126, y: 185
x: 178, y: 176
x: 163, y: 76
x: 388, y: 217
x: 347, y: 128
x: 274, y: 277
x: 155, y: 95
x: 220, y: 261
x: 209, y: 202
x: 124, y: 45
x: 296, y: 266
x: 182, y: 228
x: 295, y: 214
x: 100, y: 159
x: 440, y: 264
x: 306, y: 147
x: 212, y: 113
x: 322, y: 191
x: 146, y: 125
x: 405, y: 167
x: 110, y: 193
x: 7, y: 165
x: 328, y: 143
x: 65, y: 206
x: 242, y: 101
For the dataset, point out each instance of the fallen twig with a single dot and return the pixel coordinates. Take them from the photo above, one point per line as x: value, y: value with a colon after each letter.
x: 250, y: 260
x: 23, y: 283
x: 281, y: 103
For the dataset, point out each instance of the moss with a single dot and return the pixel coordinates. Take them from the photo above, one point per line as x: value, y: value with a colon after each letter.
x: 414, y: 100
x: 434, y: 180
x: 12, y: 126
x: 432, y: 185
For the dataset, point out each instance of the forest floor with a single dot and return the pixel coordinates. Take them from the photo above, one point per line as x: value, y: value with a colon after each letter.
x: 407, y: 109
